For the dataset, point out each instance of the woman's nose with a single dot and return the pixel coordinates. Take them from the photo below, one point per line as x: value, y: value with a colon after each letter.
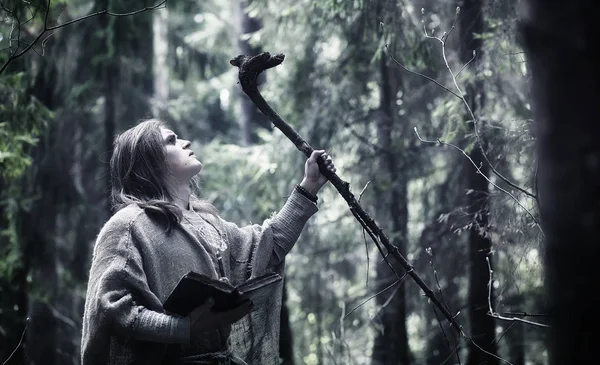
x: 186, y: 144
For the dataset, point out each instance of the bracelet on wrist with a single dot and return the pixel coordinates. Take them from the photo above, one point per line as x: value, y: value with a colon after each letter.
x: 307, y: 194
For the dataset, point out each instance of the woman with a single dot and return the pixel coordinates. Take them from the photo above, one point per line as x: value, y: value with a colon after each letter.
x: 159, y: 233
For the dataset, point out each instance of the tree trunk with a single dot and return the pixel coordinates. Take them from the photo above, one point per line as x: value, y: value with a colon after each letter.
x: 391, y: 341
x: 482, y: 327
x: 560, y: 44
x: 286, y: 344
x: 318, y: 300
x: 161, y: 53
x: 251, y: 118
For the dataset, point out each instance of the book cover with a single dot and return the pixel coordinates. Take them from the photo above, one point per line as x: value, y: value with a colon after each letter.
x: 193, y: 289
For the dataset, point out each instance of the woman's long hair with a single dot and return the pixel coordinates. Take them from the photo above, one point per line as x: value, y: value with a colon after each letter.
x: 139, y: 175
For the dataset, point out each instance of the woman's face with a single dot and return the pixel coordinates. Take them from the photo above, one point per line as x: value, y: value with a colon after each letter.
x: 180, y: 159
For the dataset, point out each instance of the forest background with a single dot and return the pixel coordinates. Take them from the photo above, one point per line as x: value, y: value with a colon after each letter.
x: 426, y: 110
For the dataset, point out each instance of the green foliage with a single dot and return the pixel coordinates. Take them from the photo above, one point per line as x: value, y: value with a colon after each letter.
x: 242, y: 181
x: 22, y: 121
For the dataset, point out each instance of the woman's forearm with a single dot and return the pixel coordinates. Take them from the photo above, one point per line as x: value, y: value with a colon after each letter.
x: 159, y: 327
x: 288, y: 223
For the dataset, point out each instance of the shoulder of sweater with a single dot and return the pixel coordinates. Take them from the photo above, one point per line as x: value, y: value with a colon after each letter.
x: 123, y: 218
x: 132, y: 217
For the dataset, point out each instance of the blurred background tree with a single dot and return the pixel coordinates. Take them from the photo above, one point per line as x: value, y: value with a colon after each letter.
x: 356, y: 81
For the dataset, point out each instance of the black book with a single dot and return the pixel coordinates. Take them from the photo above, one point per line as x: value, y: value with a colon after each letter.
x: 193, y: 289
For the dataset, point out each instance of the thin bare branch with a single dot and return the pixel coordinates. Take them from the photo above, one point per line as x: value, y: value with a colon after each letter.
x: 437, y: 281
x: 501, y: 336
x: 377, y: 242
x: 476, y: 127
x: 159, y: 5
x: 437, y: 317
x: 443, y: 300
x: 368, y: 258
x: 467, y: 64
x: 16, y: 55
x: 420, y: 74
x: 374, y: 295
x: 363, y: 190
x: 19, y: 344
x: 459, y: 94
x: 486, y: 352
x: 440, y: 142
x: 525, y: 314
x: 501, y: 317
x: 456, y: 348
x: 375, y: 147
x: 365, y: 237
x: 446, y: 35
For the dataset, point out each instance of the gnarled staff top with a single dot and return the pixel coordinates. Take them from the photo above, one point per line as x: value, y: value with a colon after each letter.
x: 251, y: 66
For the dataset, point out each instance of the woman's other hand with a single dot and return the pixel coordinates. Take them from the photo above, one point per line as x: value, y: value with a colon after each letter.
x: 204, y: 318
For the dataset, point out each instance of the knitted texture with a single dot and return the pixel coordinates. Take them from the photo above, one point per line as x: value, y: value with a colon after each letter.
x: 136, y: 264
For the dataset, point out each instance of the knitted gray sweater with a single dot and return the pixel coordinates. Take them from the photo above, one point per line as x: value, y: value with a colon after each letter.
x: 136, y: 264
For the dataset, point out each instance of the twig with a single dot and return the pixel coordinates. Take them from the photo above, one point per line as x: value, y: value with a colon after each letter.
x: 501, y: 336
x: 437, y: 281
x: 459, y: 94
x: 363, y: 190
x: 485, y: 351
x: 375, y: 147
x: 389, y: 299
x: 456, y: 348
x: 47, y: 28
x: 367, y: 253
x: 367, y: 229
x: 342, y: 332
x: 430, y: 253
x: 398, y: 281
x: 441, y: 327
x: 439, y: 141
x: 501, y: 317
x: 249, y: 69
x: 110, y: 13
x: 19, y: 344
x: 474, y: 119
x: 446, y: 35
x: 61, y: 316
x: 467, y: 64
x: 420, y: 74
x: 525, y: 314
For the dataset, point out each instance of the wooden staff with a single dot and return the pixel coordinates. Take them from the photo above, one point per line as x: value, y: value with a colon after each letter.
x: 249, y: 69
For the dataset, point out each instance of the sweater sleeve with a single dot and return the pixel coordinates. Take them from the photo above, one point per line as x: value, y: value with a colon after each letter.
x: 288, y: 223
x: 267, y: 245
x: 119, y: 301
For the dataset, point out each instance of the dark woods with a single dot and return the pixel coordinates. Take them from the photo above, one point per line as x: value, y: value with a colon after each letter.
x: 468, y: 135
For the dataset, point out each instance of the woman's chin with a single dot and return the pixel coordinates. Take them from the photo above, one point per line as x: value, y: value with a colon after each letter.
x: 198, y: 168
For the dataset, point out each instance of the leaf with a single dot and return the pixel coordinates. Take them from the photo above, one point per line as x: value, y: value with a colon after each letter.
x: 27, y: 139
x: 4, y: 155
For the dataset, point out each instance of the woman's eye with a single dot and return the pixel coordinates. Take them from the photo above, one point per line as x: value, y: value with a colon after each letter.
x: 172, y: 140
